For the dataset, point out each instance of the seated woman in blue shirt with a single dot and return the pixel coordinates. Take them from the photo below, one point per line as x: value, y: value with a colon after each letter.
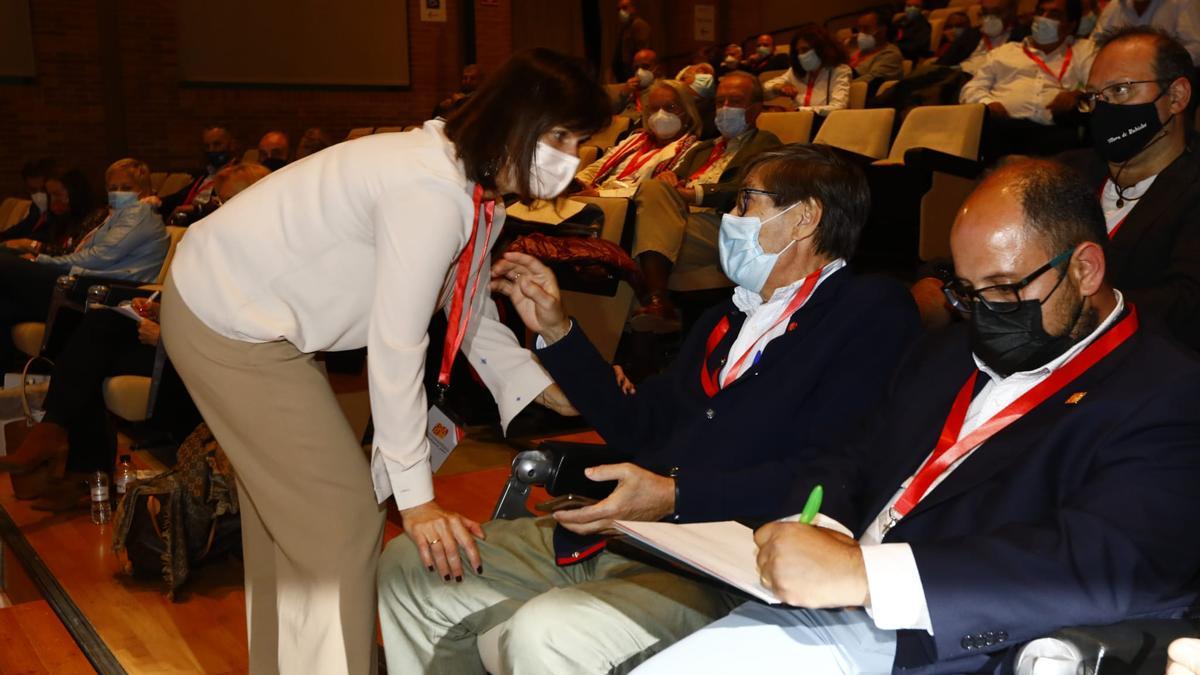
x: 130, y: 244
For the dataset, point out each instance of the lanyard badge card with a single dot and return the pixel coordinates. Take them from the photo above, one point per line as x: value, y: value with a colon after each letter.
x: 443, y: 431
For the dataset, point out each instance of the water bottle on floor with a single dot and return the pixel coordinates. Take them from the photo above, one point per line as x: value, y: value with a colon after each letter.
x: 124, y: 475
x: 101, y: 508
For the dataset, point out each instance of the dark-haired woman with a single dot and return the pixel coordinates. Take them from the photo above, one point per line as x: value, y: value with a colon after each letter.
x: 819, y: 79
x: 56, y: 228
x: 358, y: 245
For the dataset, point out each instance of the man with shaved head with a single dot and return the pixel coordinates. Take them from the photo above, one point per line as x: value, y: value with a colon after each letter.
x: 646, y: 70
x: 274, y: 150
x: 1035, y: 468
x: 192, y: 202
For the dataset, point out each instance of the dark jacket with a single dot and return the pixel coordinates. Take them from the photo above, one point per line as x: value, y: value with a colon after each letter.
x: 1076, y: 514
x: 721, y: 195
x: 738, y: 453
x: 1154, y: 258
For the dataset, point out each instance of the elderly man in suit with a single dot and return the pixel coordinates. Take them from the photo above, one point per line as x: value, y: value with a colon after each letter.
x: 768, y: 381
x: 679, y: 214
x: 1032, y: 470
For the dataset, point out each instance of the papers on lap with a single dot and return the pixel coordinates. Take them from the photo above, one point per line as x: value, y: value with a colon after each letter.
x: 124, y: 308
x: 724, y: 551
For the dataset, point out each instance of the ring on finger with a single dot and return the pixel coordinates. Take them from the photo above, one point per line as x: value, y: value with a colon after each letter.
x: 431, y: 543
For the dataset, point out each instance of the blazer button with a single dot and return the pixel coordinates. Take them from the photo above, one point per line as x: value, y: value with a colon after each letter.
x: 710, y: 413
x: 968, y: 642
x: 1001, y: 636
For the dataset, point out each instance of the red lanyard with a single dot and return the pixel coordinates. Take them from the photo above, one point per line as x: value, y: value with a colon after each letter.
x: 647, y: 153
x: 708, y: 379
x: 717, y: 151
x: 812, y: 79
x: 950, y: 448
x: 197, y: 187
x: 860, y: 55
x: 1042, y: 64
x: 619, y: 156
x: 456, y: 329
x: 987, y: 42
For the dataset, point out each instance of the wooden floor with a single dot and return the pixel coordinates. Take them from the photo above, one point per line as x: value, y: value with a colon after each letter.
x: 33, y: 642
x: 206, y: 631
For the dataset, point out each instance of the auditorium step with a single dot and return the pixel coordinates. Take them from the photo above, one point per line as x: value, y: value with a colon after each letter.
x: 33, y: 641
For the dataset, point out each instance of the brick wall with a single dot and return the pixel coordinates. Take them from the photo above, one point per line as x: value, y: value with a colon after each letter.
x: 63, y: 113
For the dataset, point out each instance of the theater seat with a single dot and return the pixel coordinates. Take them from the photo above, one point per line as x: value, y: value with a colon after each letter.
x: 12, y: 210
x: 175, y: 233
x: 862, y: 132
x: 359, y: 132
x: 388, y: 130
x: 250, y: 156
x: 858, y: 96
x: 950, y: 129
x: 128, y: 397
x: 156, y: 180
x: 975, y: 12
x: 603, y: 317
x: 935, y: 33
x: 27, y: 337
x: 588, y: 154
x: 790, y: 127
x: 174, y: 183
x: 768, y: 75
x: 607, y: 137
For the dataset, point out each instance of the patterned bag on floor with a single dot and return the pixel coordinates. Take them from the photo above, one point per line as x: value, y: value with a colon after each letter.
x: 179, y: 518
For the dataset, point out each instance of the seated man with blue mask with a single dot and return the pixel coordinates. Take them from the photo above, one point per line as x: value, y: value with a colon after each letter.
x: 678, y: 214
x: 776, y: 377
x: 1031, y: 470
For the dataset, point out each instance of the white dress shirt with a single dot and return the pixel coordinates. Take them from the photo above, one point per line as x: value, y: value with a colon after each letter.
x: 1115, y: 215
x: 355, y: 246
x: 971, y: 64
x: 897, y: 595
x: 1178, y: 18
x: 760, y: 317
x: 831, y: 88
x: 1012, y: 78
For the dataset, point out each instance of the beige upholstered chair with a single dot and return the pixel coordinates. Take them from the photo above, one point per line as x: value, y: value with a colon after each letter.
x: 790, y: 127
x: 359, y: 132
x: 174, y: 183
x: 864, y: 132
x: 858, y: 96
x: 952, y: 129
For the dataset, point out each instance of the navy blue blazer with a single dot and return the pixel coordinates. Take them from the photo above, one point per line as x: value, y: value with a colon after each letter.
x: 1076, y: 514
x: 738, y: 452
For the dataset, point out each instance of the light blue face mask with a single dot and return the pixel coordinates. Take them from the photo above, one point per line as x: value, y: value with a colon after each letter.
x: 1086, y: 25
x: 731, y: 122
x: 119, y: 200
x: 742, y: 257
x: 1045, y: 30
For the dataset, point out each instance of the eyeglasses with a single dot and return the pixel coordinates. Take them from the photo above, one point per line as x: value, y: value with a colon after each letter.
x: 743, y: 198
x: 1118, y: 94
x: 1001, y: 298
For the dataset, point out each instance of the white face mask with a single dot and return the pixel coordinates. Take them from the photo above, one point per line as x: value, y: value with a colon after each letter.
x: 552, y: 171
x: 665, y: 125
x: 763, y: 50
x: 866, y: 42
x: 1045, y: 30
x: 703, y: 85
x: 645, y: 78
x: 992, y: 25
x: 40, y: 201
x: 742, y: 257
x: 809, y: 61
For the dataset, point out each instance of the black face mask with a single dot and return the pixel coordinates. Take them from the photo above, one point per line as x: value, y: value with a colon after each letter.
x: 217, y: 159
x: 1120, y: 132
x: 274, y: 163
x: 1015, y: 341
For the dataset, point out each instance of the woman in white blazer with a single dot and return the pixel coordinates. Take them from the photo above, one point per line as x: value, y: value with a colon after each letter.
x: 358, y: 245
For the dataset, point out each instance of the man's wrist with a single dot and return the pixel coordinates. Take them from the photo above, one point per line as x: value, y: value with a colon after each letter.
x: 552, y: 334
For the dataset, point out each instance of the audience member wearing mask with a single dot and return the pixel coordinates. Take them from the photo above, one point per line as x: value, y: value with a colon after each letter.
x: 875, y: 59
x: 312, y: 141
x: 701, y: 80
x: 472, y: 76
x: 776, y: 376
x: 679, y: 213
x: 670, y: 122
x: 33, y: 175
x: 403, y: 228
x: 956, y: 29
x: 819, y: 78
x: 630, y: 101
x: 1087, y: 22
x: 1031, y: 88
x: 190, y: 203
x: 75, y: 435
x: 999, y: 26
x: 1177, y: 18
x: 732, y: 60
x: 130, y: 244
x: 1148, y: 182
x: 1031, y: 471
x: 69, y: 210
x: 764, y: 58
x: 913, y: 31
x: 634, y: 36
x: 274, y: 150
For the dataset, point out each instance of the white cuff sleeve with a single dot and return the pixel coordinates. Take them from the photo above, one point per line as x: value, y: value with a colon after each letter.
x: 699, y: 199
x: 897, y: 596
x: 411, y: 486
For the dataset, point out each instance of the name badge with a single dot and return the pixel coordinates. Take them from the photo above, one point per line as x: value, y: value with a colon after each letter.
x: 443, y: 434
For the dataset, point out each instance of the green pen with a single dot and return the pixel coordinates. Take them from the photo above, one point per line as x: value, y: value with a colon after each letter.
x: 813, y: 506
